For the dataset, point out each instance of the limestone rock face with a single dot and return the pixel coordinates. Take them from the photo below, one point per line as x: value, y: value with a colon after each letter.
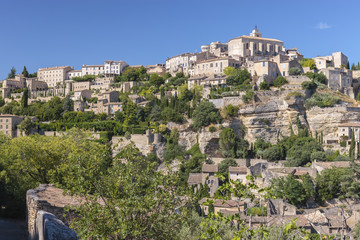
x: 326, y: 120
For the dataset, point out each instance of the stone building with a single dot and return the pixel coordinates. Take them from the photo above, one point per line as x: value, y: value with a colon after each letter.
x: 20, y: 82
x: 157, y: 68
x: 53, y: 75
x: 336, y: 59
x: 209, y: 81
x: 217, y: 48
x: 8, y: 124
x: 347, y: 130
x: 74, y: 73
x: 254, y: 47
x: 339, y: 79
x: 186, y: 62
x: 238, y: 173
x: 215, y: 66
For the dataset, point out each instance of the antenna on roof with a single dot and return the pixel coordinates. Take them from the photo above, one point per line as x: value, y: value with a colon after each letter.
x: 255, y: 26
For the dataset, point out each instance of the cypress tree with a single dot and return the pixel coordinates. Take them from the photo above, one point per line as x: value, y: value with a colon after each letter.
x: 321, y: 138
x: 352, y: 147
x: 25, y: 97
x: 25, y: 72
x: 353, y: 66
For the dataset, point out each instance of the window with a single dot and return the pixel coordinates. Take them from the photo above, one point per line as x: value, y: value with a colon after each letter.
x: 264, y: 64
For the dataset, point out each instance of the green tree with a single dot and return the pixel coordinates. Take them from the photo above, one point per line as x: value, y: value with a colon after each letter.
x: 27, y: 126
x: 156, y: 80
x: 289, y: 189
x: 12, y: 73
x: 227, y: 142
x: 205, y: 114
x: 25, y: 72
x: 24, y: 98
x: 274, y: 153
x: 136, y: 204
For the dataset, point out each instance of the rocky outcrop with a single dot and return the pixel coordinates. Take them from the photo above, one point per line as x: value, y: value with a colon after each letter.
x: 49, y: 199
x: 49, y: 227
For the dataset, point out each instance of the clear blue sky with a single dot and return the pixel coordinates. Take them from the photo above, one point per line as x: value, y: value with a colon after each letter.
x: 44, y: 33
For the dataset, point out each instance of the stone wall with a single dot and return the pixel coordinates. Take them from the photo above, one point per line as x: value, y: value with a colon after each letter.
x: 49, y: 199
x: 297, y: 79
x: 223, y: 102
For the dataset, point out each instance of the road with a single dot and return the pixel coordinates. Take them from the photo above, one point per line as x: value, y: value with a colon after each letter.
x: 11, y: 230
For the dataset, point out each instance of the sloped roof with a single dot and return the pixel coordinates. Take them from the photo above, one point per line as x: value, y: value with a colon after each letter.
x: 241, y: 170
x: 224, y: 203
x: 209, y: 168
x: 194, y: 178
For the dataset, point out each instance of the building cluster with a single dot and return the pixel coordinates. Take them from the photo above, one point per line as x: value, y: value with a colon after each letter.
x: 264, y: 58
x: 277, y: 212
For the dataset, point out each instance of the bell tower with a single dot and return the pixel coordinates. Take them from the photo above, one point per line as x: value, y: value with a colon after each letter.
x: 255, y: 32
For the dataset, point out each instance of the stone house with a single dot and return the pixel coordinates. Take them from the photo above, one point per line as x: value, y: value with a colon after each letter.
x: 336, y: 59
x: 348, y: 129
x: 215, y: 66
x: 8, y: 124
x: 20, y: 82
x: 238, y: 173
x: 220, y: 206
x: 186, y: 62
x: 195, y: 179
x: 214, y: 80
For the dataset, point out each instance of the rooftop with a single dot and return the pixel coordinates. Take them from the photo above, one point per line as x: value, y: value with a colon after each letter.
x: 241, y: 170
x: 257, y: 38
x: 209, y: 168
x: 195, y: 178
x: 54, y: 68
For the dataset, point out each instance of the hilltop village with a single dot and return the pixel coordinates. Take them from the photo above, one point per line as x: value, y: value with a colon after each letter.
x: 248, y: 114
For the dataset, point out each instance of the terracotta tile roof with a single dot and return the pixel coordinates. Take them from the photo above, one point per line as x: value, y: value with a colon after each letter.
x: 224, y: 203
x: 257, y: 38
x: 209, y: 168
x: 350, y: 124
x: 194, y: 178
x: 241, y: 170
x: 339, y: 164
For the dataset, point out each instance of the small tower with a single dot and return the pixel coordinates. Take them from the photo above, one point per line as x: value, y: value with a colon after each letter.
x: 255, y: 33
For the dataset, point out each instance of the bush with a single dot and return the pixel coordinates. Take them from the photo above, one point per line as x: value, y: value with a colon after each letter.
x: 231, y: 111
x: 322, y: 100
x: 264, y: 85
x: 279, y: 81
x: 249, y: 95
x: 293, y: 94
x: 212, y: 129
x: 274, y: 153
x: 309, y: 85
x: 205, y: 114
x: 294, y: 71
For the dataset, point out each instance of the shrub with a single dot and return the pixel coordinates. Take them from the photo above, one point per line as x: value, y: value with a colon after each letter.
x: 248, y: 96
x: 264, y: 85
x: 322, y: 100
x: 279, y: 81
x: 231, y: 111
x: 212, y: 129
x: 205, y: 114
x: 308, y: 85
x: 293, y: 94
x: 294, y: 71
x: 274, y: 153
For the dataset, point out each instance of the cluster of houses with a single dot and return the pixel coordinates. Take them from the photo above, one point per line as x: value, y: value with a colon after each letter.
x: 337, y: 217
x: 264, y: 58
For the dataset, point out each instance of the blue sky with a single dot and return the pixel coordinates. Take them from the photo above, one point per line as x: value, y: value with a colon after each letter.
x: 45, y: 33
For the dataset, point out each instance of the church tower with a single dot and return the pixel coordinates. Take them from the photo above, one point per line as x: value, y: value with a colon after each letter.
x: 255, y: 33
